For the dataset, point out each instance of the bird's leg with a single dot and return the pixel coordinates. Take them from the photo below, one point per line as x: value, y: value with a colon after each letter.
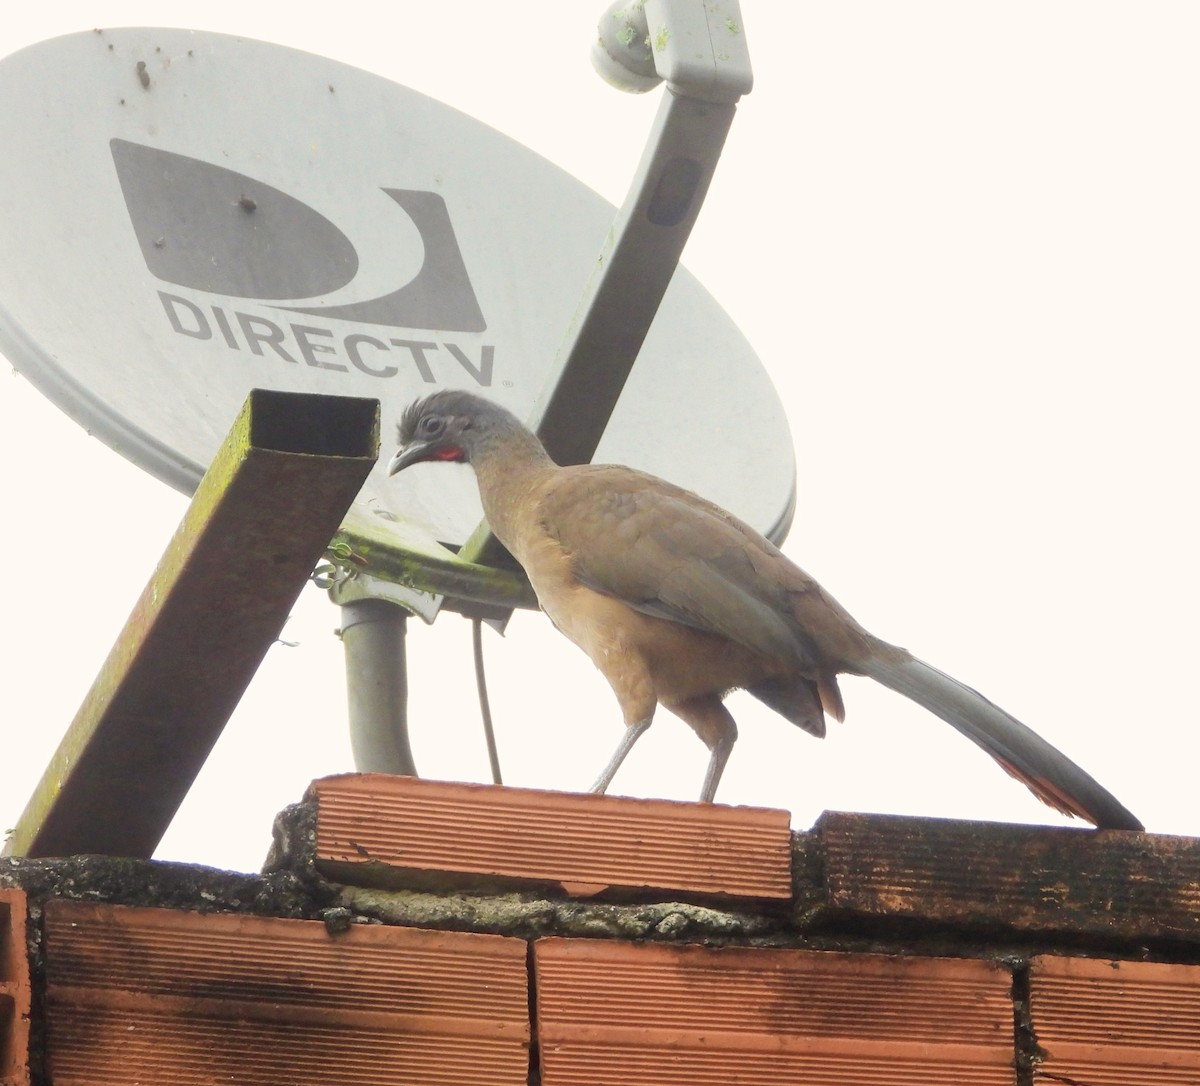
x: 633, y: 732
x: 717, y: 758
x: 709, y: 719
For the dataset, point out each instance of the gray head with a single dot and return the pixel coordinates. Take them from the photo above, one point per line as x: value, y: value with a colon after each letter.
x: 449, y: 426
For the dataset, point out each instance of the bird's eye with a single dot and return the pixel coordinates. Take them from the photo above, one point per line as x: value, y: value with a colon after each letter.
x: 432, y: 425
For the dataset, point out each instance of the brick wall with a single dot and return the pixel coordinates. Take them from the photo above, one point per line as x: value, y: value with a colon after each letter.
x: 416, y: 931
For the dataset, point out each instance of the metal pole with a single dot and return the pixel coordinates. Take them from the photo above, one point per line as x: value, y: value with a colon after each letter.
x: 377, y: 686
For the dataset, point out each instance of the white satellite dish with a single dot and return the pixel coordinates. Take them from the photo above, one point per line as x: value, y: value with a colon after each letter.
x: 188, y: 216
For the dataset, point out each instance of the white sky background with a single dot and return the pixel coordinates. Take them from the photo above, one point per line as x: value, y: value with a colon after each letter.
x: 964, y: 239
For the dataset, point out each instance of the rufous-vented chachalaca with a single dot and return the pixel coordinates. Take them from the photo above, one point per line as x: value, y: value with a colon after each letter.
x: 678, y: 602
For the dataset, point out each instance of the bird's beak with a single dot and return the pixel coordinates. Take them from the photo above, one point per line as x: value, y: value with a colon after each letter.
x: 411, y: 454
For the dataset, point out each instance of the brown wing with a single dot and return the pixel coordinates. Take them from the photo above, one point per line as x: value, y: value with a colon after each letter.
x: 669, y: 553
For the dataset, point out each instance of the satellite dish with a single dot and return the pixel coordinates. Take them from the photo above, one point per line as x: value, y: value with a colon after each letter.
x: 188, y: 216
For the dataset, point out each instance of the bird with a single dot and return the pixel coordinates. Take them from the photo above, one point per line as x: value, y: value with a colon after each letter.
x: 678, y: 602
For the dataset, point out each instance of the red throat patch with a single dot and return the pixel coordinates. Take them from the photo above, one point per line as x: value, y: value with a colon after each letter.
x: 450, y: 452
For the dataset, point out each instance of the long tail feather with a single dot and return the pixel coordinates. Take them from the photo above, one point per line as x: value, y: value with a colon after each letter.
x: 1046, y: 771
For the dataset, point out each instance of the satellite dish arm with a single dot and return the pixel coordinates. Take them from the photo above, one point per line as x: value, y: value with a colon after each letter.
x: 699, y: 51
x: 631, y: 276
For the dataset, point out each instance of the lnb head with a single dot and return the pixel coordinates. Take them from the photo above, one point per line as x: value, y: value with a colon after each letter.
x: 621, y: 53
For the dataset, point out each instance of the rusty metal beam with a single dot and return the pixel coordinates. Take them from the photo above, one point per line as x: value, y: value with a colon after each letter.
x: 261, y: 517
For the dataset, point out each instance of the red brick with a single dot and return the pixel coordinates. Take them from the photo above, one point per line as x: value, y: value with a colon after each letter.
x: 164, y: 996
x: 623, y: 1013
x: 382, y: 830
x: 14, y: 990
x: 1106, y: 884
x: 1114, y: 1023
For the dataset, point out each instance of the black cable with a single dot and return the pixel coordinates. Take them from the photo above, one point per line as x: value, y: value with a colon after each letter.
x: 484, y: 709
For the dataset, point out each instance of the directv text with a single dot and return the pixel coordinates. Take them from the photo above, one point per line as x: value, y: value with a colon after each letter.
x: 322, y: 348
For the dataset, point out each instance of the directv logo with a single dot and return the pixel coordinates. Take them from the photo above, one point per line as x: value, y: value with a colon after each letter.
x: 206, y: 228
x: 320, y: 347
